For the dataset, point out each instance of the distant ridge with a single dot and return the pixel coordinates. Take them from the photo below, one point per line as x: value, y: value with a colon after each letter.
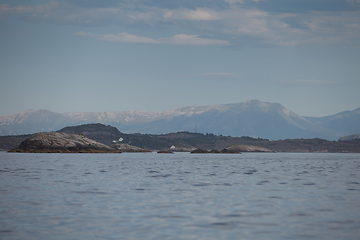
x: 350, y: 137
x: 347, y: 121
x: 249, y: 118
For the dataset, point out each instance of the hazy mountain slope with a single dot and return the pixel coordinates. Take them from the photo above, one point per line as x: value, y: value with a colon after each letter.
x: 33, y: 121
x: 350, y: 137
x: 347, y: 121
x: 249, y: 118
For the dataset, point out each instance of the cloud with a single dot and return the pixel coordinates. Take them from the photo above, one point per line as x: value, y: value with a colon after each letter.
x: 234, y: 1
x: 239, y: 22
x: 179, y: 39
x: 7, y: 9
x: 64, y: 13
x: 183, y: 39
x: 188, y: 14
x: 304, y: 6
x: 121, y: 37
x: 307, y: 82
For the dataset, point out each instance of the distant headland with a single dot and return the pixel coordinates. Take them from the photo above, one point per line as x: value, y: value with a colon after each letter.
x: 105, y: 138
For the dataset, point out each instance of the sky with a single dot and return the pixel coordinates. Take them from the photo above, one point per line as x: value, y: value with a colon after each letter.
x: 156, y: 55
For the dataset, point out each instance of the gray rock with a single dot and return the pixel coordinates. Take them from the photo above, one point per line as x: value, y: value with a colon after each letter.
x: 248, y: 148
x: 62, y: 143
x: 128, y: 148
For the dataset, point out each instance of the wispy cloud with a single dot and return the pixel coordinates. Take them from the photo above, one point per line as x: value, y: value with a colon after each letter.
x: 232, y: 24
x: 7, y: 9
x: 120, y: 37
x: 178, y: 39
x: 354, y: 1
x: 202, y: 14
x: 307, y: 82
x: 183, y: 39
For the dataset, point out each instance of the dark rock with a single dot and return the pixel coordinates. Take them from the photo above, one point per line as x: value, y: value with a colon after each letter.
x: 164, y: 151
x: 229, y: 151
x: 183, y: 149
x: 214, y: 151
x: 200, y: 151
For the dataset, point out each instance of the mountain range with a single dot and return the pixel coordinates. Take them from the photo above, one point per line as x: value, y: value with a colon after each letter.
x: 250, y: 118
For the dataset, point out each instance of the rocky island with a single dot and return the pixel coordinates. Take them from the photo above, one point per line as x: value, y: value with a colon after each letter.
x: 55, y: 142
x: 123, y: 147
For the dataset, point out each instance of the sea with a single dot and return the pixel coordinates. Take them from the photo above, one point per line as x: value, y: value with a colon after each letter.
x: 179, y: 196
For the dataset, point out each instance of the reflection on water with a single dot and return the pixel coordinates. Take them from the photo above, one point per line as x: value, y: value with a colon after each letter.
x: 179, y: 196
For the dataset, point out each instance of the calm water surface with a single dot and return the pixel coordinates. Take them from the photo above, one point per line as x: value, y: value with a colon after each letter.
x: 179, y: 196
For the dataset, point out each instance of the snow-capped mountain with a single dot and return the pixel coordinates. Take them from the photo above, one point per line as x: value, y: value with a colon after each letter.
x: 250, y: 118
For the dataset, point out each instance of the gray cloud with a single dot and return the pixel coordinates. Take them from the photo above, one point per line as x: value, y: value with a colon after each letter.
x: 304, y: 6
x: 179, y: 39
x: 233, y: 22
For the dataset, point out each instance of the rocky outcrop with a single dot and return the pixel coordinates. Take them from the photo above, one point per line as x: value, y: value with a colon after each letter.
x: 200, y: 151
x: 214, y: 151
x: 165, y: 151
x: 123, y: 147
x: 229, y: 151
x: 55, y: 142
x: 248, y: 148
